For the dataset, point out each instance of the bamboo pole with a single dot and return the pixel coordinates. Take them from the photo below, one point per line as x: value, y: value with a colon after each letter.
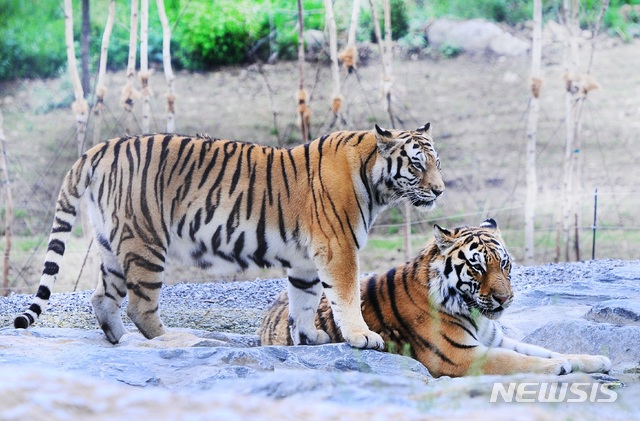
x: 532, y: 129
x: 303, y: 109
x: 9, y: 209
x: 79, y: 106
x: 166, y: 65
x: 144, y: 74
x: 129, y: 93
x: 101, y: 89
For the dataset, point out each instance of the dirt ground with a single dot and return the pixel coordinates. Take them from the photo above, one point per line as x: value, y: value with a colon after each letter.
x: 477, y: 106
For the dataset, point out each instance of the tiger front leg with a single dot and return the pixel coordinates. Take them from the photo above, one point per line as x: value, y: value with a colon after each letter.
x: 339, y: 277
x: 588, y: 363
x: 579, y: 362
x: 504, y: 361
x: 305, y: 291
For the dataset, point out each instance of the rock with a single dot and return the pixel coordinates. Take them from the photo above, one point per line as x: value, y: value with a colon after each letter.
x: 61, y: 374
x: 314, y: 43
x: 475, y: 36
x: 74, y: 373
x: 616, y: 311
x: 619, y: 343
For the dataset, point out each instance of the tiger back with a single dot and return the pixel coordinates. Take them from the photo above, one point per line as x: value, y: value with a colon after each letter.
x: 226, y: 206
x: 442, y: 308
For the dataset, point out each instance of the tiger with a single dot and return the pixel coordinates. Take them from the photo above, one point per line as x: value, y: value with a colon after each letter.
x: 226, y: 206
x: 442, y: 308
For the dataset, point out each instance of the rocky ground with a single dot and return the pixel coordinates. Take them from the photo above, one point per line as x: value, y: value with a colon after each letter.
x: 209, y: 365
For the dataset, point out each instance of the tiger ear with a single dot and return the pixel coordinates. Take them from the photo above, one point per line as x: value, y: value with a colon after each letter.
x: 490, y: 224
x: 424, y: 129
x: 443, y: 237
x: 384, y: 139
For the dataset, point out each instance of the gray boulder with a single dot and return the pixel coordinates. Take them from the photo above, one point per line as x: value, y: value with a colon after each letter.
x: 620, y: 343
x: 624, y: 312
x: 475, y: 36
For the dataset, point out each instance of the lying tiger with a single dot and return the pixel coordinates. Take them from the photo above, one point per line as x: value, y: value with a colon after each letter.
x: 443, y: 308
x: 226, y: 206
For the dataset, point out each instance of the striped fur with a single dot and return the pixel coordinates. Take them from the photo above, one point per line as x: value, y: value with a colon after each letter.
x: 442, y: 308
x: 227, y: 206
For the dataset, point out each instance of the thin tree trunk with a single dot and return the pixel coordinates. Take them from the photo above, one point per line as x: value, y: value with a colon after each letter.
x: 386, y: 91
x: 145, y: 90
x: 79, y: 106
x: 303, y: 108
x: 336, y: 100
x: 378, y: 33
x: 571, y: 66
x: 128, y: 92
x: 388, y: 52
x: 101, y: 89
x: 166, y: 65
x: 9, y: 210
x: 596, y: 31
x: 349, y: 55
x: 532, y: 129
x: 84, y: 45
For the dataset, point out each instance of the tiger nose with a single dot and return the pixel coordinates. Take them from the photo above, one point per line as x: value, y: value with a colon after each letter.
x: 501, y: 299
x: 437, y: 191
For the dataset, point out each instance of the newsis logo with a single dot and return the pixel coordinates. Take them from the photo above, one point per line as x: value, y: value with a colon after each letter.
x: 552, y: 392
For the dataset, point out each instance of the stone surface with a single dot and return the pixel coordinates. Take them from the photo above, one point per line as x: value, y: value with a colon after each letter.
x: 616, y: 311
x: 74, y: 373
x: 620, y: 343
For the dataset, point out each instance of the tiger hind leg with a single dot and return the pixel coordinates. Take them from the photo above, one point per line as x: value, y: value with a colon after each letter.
x: 305, y: 291
x: 108, y: 296
x: 143, y: 273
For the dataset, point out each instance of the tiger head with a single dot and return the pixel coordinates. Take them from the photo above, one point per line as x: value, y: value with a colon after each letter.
x: 409, y: 167
x: 473, y: 271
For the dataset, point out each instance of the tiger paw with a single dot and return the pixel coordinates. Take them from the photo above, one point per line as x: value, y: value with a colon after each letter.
x: 557, y: 366
x: 364, y: 339
x: 317, y: 337
x: 590, y: 363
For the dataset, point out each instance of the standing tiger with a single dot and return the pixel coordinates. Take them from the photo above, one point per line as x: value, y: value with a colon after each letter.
x: 226, y: 206
x: 443, y: 307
